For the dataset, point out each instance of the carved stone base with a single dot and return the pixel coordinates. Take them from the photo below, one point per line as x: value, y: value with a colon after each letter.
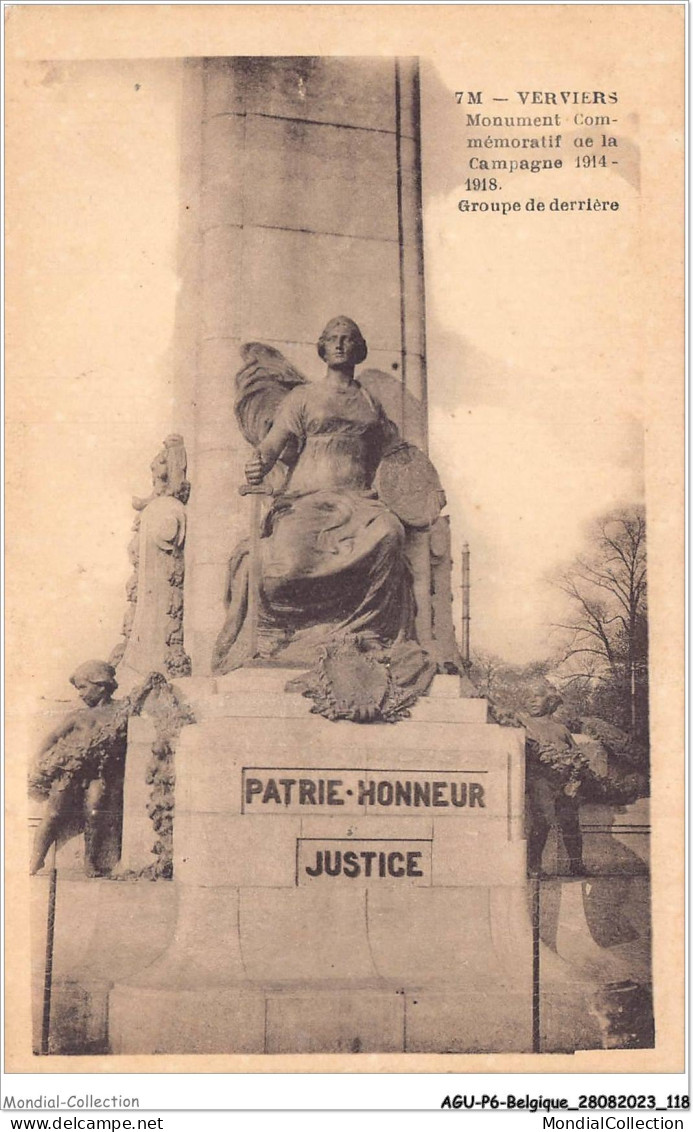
x: 270, y: 953
x: 247, y: 950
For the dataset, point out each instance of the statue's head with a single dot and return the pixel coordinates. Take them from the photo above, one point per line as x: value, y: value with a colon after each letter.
x: 95, y: 681
x: 168, y: 469
x: 342, y: 343
x: 542, y: 697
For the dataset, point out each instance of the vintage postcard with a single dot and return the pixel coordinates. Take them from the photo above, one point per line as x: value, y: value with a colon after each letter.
x: 345, y: 538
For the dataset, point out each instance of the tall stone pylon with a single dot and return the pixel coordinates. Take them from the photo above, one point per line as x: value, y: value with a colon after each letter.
x: 301, y: 200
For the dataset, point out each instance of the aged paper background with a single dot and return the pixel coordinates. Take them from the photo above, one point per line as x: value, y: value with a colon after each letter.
x: 79, y: 218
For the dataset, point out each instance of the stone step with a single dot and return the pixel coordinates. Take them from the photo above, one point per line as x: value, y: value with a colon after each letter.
x: 431, y: 709
x: 261, y: 692
x: 274, y: 705
x: 254, y: 680
x: 323, y: 1018
x: 275, y: 680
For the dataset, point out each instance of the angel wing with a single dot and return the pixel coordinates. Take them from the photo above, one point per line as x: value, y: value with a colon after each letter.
x: 261, y: 386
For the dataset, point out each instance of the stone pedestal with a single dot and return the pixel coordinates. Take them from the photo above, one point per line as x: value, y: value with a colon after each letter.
x: 104, y: 932
x: 247, y: 952
x: 420, y: 941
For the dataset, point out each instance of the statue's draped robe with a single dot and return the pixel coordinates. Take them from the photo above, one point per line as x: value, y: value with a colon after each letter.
x: 332, y: 554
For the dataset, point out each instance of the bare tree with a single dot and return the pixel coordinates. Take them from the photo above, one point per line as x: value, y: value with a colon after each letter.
x: 486, y: 667
x: 605, y: 631
x: 505, y: 685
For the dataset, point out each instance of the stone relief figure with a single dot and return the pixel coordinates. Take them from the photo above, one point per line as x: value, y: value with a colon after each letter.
x: 331, y: 560
x: 79, y: 766
x: 153, y: 623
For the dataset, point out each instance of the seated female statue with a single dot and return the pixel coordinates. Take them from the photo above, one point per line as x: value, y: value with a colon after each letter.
x: 331, y: 557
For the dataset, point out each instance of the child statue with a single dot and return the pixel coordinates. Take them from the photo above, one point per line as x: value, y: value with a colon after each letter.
x: 555, y: 773
x: 80, y: 762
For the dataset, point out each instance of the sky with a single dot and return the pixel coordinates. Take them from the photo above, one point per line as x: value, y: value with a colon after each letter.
x: 535, y: 366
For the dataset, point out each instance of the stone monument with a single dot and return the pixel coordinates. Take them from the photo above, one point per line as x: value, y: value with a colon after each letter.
x: 347, y: 870
x: 312, y: 856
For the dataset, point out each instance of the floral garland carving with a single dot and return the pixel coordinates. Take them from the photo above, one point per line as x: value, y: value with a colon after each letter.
x: 169, y: 715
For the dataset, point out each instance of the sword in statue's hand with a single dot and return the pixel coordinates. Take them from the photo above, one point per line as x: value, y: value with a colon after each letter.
x: 256, y: 491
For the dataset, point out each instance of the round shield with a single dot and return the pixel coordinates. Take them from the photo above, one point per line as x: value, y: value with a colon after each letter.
x: 408, y: 484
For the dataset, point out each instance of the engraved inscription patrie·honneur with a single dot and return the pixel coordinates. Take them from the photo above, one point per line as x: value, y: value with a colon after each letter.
x: 292, y: 790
